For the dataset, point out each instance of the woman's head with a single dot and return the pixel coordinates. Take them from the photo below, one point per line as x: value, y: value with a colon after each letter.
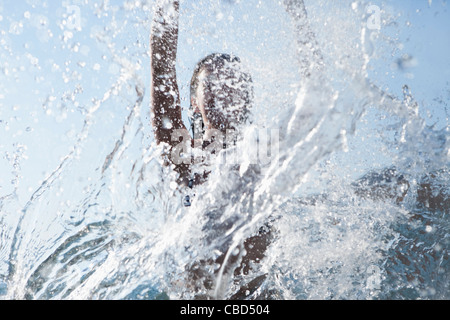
x: 221, y: 93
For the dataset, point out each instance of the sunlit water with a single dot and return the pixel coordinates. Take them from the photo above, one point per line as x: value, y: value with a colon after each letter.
x: 88, y: 211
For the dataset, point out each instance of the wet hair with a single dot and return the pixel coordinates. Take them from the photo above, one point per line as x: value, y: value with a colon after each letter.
x: 222, y: 61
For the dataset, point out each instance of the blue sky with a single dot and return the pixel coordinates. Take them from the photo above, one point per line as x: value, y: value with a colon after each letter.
x: 51, y: 74
x: 425, y: 38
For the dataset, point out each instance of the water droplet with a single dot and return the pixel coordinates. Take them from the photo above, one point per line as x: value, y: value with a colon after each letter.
x: 167, y: 124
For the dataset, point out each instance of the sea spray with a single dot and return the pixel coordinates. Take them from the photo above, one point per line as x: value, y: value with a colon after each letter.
x: 107, y: 221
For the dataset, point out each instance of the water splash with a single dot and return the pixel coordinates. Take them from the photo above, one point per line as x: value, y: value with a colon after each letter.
x: 107, y: 221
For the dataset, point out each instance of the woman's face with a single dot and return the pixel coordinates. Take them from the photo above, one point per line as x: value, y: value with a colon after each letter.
x: 219, y: 99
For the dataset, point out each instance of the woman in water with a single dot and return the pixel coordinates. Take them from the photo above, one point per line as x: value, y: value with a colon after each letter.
x: 220, y: 99
x: 220, y: 96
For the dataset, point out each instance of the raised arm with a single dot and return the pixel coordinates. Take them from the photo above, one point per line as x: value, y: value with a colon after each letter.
x: 166, y: 107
